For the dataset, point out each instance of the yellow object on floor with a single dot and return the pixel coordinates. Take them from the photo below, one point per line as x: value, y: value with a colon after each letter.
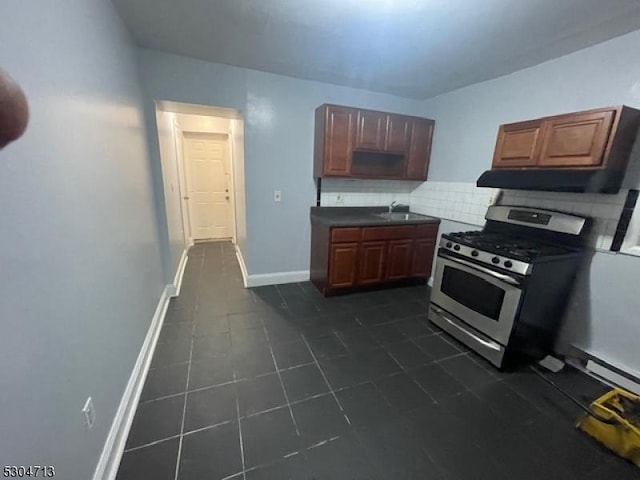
x: 623, y: 438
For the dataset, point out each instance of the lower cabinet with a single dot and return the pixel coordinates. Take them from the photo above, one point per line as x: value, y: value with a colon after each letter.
x: 371, y: 262
x: 399, y: 261
x: 343, y: 262
x: 422, y: 260
x: 372, y: 255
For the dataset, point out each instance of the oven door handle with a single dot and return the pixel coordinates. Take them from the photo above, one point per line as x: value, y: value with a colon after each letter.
x: 497, y: 275
x: 491, y: 345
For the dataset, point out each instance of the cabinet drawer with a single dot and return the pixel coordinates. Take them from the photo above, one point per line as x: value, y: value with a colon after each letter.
x: 345, y: 234
x: 388, y: 233
x: 426, y: 230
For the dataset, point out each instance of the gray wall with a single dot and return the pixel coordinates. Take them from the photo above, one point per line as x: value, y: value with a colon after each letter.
x: 603, y: 318
x: 278, y: 113
x: 79, y: 255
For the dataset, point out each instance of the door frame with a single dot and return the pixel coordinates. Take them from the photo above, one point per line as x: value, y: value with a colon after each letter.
x: 182, y: 159
x: 182, y: 184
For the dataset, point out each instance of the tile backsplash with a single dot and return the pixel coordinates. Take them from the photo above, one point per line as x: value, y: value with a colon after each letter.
x: 339, y: 192
x: 464, y: 202
x: 458, y: 201
x: 605, y: 209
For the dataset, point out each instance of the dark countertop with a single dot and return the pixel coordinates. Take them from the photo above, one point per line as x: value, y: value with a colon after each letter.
x: 365, y: 216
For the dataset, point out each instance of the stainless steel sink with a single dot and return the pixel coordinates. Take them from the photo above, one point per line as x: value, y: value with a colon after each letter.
x: 399, y: 216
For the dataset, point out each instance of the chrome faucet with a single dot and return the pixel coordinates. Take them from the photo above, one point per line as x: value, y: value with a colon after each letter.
x: 393, y: 204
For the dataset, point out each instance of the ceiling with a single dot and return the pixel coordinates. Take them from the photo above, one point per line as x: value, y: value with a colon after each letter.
x: 411, y: 48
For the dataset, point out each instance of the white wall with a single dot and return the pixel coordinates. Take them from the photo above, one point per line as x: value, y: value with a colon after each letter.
x: 604, y: 312
x: 240, y: 195
x: 167, y: 142
x: 79, y: 251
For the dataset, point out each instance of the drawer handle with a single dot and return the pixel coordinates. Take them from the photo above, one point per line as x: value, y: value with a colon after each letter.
x: 491, y: 345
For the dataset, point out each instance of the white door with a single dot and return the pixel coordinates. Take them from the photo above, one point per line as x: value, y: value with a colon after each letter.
x: 208, y: 185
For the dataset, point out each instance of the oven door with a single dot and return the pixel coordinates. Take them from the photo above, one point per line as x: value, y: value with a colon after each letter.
x: 485, y: 299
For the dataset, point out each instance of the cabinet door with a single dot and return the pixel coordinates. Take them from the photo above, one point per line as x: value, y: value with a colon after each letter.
x: 340, y: 125
x: 423, y: 251
x: 576, y: 140
x: 419, y: 149
x: 372, y: 258
x: 371, y: 130
x: 398, y: 133
x: 343, y: 262
x: 399, y: 259
x: 518, y: 145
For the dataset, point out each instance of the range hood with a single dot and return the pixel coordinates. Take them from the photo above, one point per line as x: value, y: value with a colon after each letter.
x: 554, y: 180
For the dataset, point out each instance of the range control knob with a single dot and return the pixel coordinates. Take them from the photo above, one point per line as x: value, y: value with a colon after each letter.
x: 449, y: 245
x: 456, y: 247
x: 474, y: 253
x: 508, y: 264
x: 495, y: 260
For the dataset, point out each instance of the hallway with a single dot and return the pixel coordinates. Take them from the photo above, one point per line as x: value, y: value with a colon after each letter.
x: 280, y: 383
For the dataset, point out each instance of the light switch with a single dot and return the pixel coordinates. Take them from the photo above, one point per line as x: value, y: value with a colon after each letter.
x: 277, y: 195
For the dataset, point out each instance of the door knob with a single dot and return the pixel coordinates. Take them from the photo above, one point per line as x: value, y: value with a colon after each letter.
x: 186, y: 198
x: 226, y: 190
x: 227, y: 197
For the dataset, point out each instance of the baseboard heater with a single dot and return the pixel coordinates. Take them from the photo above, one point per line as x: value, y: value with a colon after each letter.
x: 602, y: 370
x: 614, y: 376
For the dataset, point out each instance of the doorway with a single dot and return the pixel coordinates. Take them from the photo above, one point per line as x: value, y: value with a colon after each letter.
x: 202, y: 163
x: 207, y: 164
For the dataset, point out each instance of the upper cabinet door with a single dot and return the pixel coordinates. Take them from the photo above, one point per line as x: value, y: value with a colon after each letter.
x: 340, y: 125
x: 518, y: 145
x: 419, y: 148
x: 371, y: 130
x: 397, y: 135
x: 576, y: 140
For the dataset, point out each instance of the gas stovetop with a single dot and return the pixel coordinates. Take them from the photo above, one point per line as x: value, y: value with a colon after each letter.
x: 511, y: 246
x: 503, y: 251
x: 516, y: 238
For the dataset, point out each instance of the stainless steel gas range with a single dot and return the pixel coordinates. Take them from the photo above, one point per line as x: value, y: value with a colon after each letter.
x: 502, y: 291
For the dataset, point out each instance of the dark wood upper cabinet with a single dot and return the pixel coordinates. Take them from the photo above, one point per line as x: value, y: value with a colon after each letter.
x: 358, y: 143
x: 371, y: 130
x: 398, y: 133
x: 343, y: 258
x: 419, y: 148
x: 593, y: 139
x: 577, y: 139
x: 334, y: 140
x: 518, y: 144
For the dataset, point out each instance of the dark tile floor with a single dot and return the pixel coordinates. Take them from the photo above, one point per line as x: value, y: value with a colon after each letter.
x: 280, y: 383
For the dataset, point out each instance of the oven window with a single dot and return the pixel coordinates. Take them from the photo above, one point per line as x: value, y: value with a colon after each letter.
x: 472, y: 292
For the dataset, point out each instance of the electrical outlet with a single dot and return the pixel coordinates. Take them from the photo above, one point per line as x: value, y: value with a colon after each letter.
x: 277, y: 195
x: 339, y: 199
x: 89, y: 413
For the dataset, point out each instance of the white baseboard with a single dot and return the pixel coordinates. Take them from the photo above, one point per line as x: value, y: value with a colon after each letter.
x: 109, y: 461
x: 258, y: 280
x: 243, y: 267
x: 174, y: 288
